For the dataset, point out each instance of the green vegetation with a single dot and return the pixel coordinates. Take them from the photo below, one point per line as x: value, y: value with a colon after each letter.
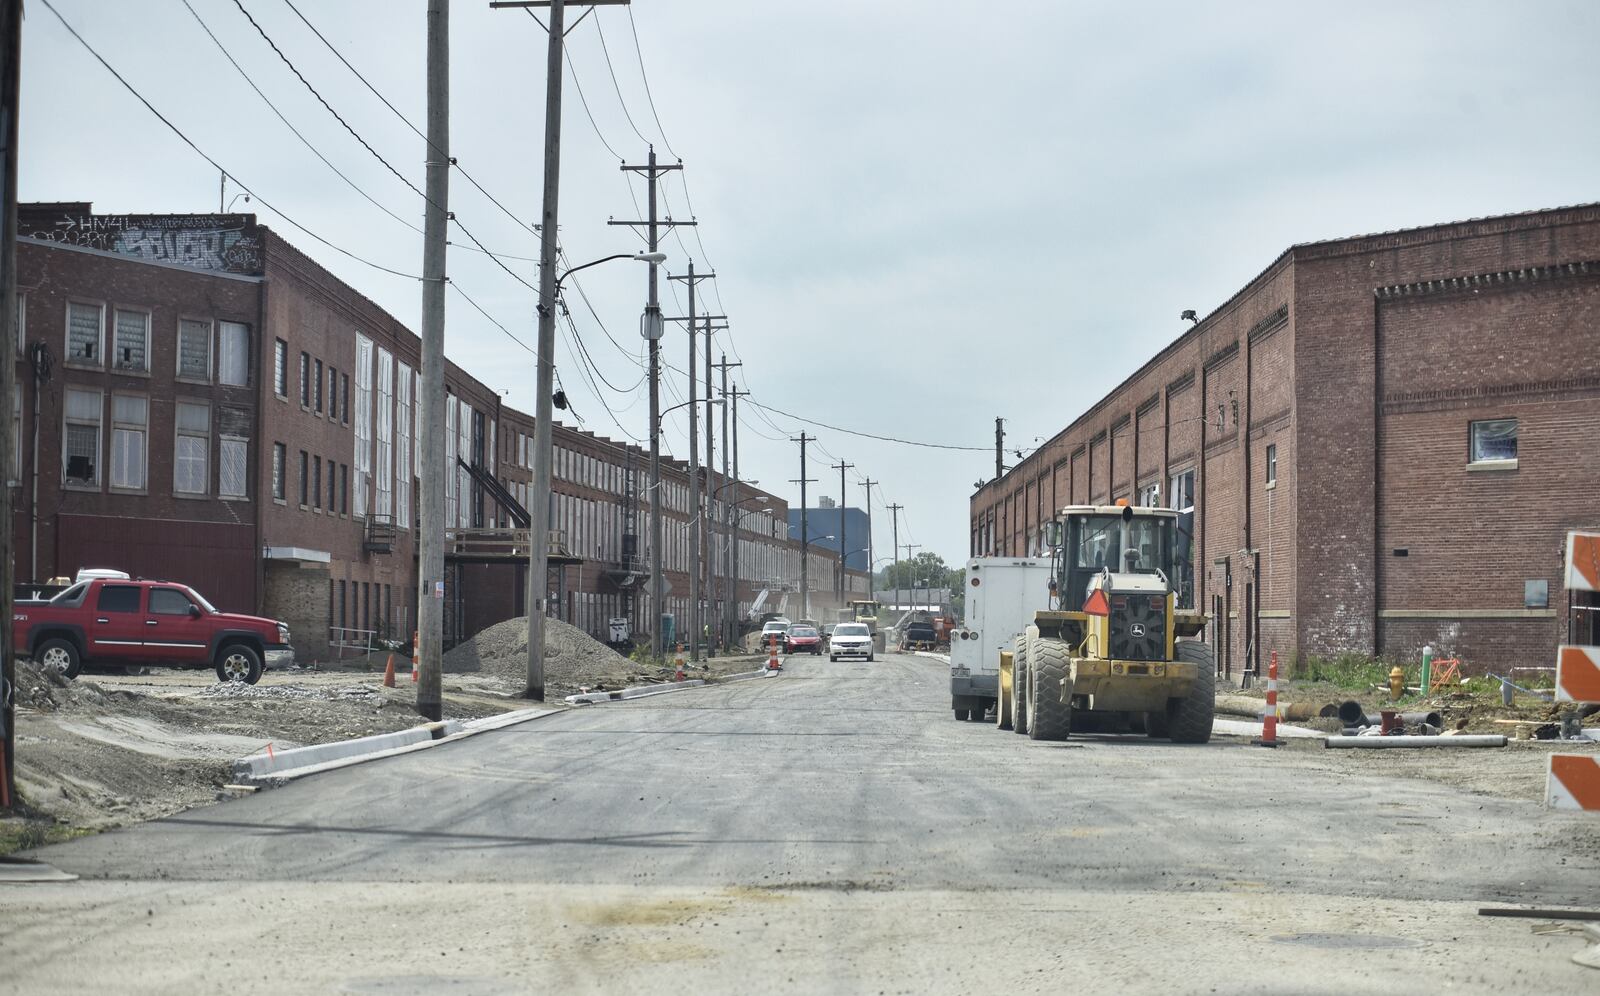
x: 1348, y: 670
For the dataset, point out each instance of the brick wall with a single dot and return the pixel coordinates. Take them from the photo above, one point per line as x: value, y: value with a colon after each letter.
x: 298, y: 595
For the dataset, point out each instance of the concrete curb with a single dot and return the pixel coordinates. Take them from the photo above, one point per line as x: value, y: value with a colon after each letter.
x: 636, y: 692
x: 286, y: 766
x: 931, y: 655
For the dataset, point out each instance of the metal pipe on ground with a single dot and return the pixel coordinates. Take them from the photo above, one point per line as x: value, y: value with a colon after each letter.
x: 1249, y: 708
x: 1351, y: 714
x: 1477, y: 740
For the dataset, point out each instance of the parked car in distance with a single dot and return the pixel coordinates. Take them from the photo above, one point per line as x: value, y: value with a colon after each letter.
x: 775, y: 629
x: 802, y: 640
x: 850, y: 640
x: 128, y: 623
x: 918, y: 636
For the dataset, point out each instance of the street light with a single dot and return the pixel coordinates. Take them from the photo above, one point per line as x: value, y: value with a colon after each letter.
x: 539, y: 514
x: 697, y: 401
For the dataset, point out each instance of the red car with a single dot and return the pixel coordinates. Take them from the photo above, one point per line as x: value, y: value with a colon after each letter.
x: 802, y: 640
x: 126, y: 622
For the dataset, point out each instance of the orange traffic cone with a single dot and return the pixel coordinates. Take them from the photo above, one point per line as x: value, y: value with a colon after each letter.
x: 388, y: 673
x: 414, y: 668
x: 772, y: 660
x: 678, y: 661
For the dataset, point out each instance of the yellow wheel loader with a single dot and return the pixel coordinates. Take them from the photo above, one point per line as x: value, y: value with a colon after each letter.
x: 1115, y: 652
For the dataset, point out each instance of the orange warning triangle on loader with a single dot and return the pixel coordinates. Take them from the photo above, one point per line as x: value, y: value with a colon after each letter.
x: 1098, y: 604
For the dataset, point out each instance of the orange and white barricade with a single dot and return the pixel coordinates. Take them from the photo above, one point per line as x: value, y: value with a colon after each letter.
x: 1573, y: 782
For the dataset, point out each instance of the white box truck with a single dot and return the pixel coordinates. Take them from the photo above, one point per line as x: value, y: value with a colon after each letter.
x: 1002, y: 594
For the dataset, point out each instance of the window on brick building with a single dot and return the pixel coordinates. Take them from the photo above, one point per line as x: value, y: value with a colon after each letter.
x: 234, y: 355
x: 1181, y: 493
x: 1493, y: 441
x: 305, y: 479
x: 333, y: 392
x: 280, y: 368
x: 129, y: 421
x: 316, y: 388
x: 131, y: 347
x: 305, y: 380
x: 279, y: 456
x: 81, y: 454
x: 194, y: 350
x: 344, y: 398
x: 316, y: 482
x: 1150, y: 496
x: 84, y: 332
x: 344, y: 489
x: 190, y: 470
x: 1272, y: 464
x: 233, y: 467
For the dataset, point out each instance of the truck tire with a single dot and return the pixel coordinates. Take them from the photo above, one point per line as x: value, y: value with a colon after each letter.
x: 61, y: 656
x: 1189, y: 719
x: 1019, y: 686
x: 961, y: 715
x: 1155, y: 724
x: 238, y: 662
x: 1049, y: 718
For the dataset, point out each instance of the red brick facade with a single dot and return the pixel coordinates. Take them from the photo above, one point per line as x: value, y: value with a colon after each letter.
x: 1356, y: 369
x: 262, y: 485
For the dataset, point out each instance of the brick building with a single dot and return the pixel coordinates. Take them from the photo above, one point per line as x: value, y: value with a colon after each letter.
x: 1384, y: 438
x: 215, y: 407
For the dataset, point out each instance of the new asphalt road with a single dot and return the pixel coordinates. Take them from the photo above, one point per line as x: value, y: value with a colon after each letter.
x: 829, y: 829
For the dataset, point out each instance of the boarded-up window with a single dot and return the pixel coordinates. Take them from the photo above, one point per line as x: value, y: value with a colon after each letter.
x: 233, y: 467
x: 402, y: 447
x: 81, y: 455
x: 234, y: 368
x: 129, y: 421
x: 194, y: 350
x: 189, y: 467
x: 279, y: 455
x: 280, y: 368
x: 384, y: 471
x: 363, y: 454
x: 83, y: 332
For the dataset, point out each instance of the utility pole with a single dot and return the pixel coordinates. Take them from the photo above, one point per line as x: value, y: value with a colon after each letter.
x: 844, y: 545
x: 999, y: 448
x: 10, y: 92
x: 729, y: 530
x: 652, y: 332
x: 871, y: 564
x: 435, y: 239
x: 805, y: 535
x: 696, y: 622
x: 734, y: 396
x: 908, y: 548
x: 895, y: 510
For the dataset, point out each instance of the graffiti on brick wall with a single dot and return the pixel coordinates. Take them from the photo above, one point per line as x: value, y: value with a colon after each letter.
x: 225, y: 242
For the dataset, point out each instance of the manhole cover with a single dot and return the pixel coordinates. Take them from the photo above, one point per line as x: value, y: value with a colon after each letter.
x: 1345, y: 941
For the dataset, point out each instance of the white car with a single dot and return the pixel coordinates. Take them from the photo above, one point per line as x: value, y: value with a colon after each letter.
x: 775, y: 628
x: 850, y: 640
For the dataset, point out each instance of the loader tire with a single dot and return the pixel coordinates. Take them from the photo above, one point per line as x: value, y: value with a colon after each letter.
x: 1019, y: 686
x: 1155, y: 725
x: 1049, y: 718
x: 1189, y: 719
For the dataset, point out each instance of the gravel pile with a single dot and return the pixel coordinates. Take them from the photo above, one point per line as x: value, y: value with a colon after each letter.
x: 573, y: 658
x: 239, y: 690
x: 46, y: 691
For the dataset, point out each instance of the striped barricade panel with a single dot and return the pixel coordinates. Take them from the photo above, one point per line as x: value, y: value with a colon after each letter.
x: 1577, y: 674
x: 1583, y: 561
x: 1573, y: 782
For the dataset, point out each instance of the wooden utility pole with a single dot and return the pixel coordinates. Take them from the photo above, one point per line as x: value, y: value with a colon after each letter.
x: 696, y: 619
x: 652, y: 332
x: 722, y: 563
x: 805, y: 535
x: 844, y: 546
x: 871, y: 564
x: 895, y: 535
x: 999, y: 448
x: 733, y: 399
x: 435, y: 239
x: 10, y: 91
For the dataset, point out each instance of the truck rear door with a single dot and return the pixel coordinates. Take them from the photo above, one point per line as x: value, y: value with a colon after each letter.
x: 116, y: 627
x: 172, y: 629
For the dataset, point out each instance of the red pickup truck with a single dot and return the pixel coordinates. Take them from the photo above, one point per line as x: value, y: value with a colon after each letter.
x: 138, y: 623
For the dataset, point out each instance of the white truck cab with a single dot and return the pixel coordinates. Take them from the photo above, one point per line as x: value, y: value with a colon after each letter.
x: 1002, y: 594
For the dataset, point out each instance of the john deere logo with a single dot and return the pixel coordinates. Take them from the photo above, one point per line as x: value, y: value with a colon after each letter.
x: 1137, y: 629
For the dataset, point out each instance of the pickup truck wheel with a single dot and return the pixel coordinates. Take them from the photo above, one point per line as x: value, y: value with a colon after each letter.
x: 60, y: 656
x: 961, y: 715
x: 238, y: 662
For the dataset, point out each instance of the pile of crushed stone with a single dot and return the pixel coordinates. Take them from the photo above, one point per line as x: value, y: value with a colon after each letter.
x: 44, y: 690
x: 573, y: 658
x: 239, y: 690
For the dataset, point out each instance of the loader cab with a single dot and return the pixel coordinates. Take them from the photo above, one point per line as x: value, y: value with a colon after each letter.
x: 1091, y: 539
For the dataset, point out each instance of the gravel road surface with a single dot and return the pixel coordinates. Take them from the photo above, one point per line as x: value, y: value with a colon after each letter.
x: 832, y: 829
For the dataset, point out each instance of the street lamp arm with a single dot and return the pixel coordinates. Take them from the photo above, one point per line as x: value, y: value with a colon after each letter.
x: 646, y: 257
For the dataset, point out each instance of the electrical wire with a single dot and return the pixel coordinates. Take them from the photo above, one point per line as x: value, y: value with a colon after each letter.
x: 615, y: 85
x: 213, y: 163
x: 646, y: 78
x: 870, y: 435
x: 490, y: 317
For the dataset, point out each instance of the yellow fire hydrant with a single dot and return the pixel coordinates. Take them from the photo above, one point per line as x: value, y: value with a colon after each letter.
x: 1397, y: 682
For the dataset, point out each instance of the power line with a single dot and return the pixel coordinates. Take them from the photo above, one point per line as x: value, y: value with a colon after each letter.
x: 454, y: 163
x: 485, y: 314
x: 648, y: 96
x: 869, y: 435
x: 202, y: 154
x: 274, y: 108
x: 617, y: 86
x: 298, y: 75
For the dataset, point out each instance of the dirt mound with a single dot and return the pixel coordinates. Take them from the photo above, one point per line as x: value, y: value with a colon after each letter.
x: 572, y: 658
x: 45, y: 690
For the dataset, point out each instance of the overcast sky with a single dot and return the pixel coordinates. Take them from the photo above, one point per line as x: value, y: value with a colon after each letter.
x: 922, y: 214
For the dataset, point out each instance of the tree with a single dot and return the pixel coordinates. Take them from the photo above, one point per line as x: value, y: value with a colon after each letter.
x: 923, y: 571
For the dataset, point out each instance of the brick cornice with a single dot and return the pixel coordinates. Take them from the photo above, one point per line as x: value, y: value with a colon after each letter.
x: 1485, y: 281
